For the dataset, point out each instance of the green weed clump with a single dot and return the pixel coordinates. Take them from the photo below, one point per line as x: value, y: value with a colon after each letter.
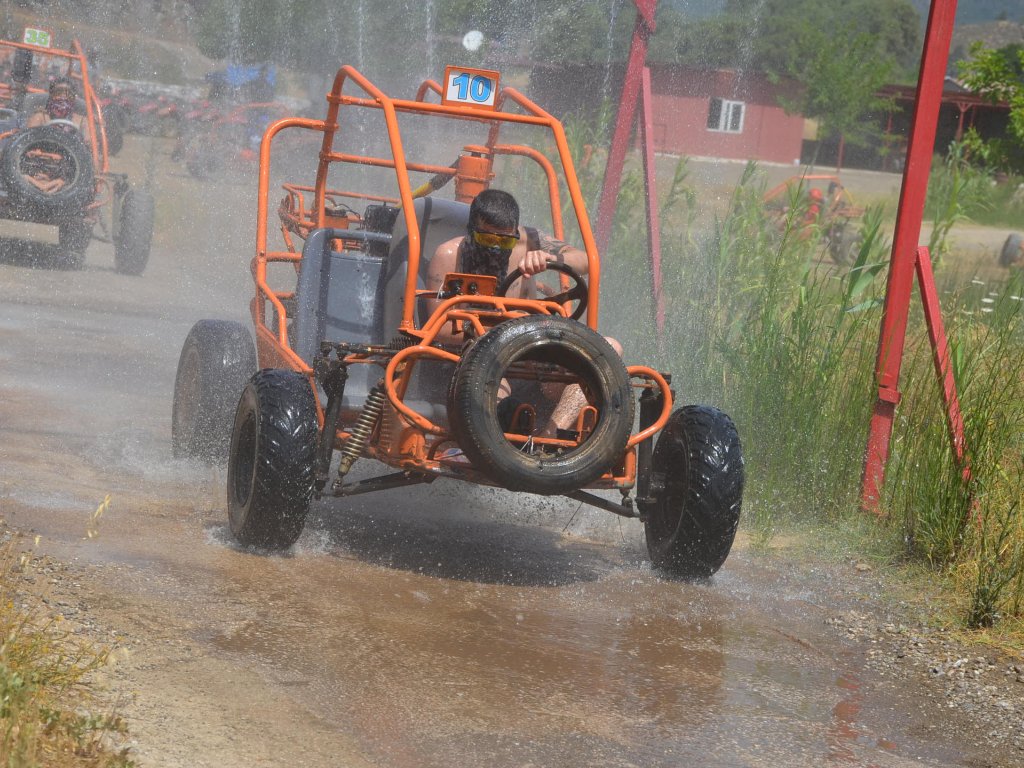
x: 44, y: 696
x: 965, y: 517
x: 960, y: 189
x: 763, y: 325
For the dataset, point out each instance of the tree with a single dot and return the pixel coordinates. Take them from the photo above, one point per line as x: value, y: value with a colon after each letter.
x: 839, y: 81
x: 838, y: 54
x: 998, y: 75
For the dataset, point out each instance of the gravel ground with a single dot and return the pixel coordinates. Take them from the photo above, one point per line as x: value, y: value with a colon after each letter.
x: 985, y: 686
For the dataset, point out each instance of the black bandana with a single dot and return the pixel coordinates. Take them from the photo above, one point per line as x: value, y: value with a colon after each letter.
x: 477, y: 260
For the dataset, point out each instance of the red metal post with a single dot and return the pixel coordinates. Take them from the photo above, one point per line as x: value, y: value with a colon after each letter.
x: 940, y: 356
x: 904, y: 249
x: 642, y: 31
x: 653, y: 224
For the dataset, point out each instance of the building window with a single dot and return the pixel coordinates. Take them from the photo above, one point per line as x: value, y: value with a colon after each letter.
x: 725, y: 116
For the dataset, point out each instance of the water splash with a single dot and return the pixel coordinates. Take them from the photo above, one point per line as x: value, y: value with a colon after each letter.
x: 747, y: 46
x: 361, y: 33
x: 431, y: 54
x: 613, y: 15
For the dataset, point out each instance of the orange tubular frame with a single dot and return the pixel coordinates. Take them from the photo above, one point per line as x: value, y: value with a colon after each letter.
x: 93, y: 113
x: 480, y: 310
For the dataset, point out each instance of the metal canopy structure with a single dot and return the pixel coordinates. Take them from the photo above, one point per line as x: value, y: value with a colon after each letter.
x: 636, y: 88
x: 907, y: 259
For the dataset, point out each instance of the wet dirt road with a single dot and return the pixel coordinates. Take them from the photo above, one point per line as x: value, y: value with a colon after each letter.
x: 440, y: 626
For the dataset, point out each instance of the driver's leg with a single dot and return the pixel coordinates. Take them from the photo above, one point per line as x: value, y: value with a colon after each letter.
x: 571, y: 401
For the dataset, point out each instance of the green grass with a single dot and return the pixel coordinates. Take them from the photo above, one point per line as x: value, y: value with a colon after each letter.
x: 47, y: 716
x: 959, y: 190
x: 764, y: 326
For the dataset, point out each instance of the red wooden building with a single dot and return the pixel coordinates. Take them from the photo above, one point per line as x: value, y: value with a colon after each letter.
x: 724, y: 114
x: 699, y: 113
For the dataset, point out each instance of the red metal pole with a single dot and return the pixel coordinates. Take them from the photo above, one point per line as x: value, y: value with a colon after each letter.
x: 653, y: 224
x: 940, y: 357
x: 642, y: 31
x: 904, y: 249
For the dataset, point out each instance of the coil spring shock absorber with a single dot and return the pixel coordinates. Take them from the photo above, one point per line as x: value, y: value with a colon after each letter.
x: 360, y: 434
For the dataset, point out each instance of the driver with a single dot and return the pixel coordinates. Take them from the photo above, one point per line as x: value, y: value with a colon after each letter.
x: 495, y: 244
x: 60, y: 105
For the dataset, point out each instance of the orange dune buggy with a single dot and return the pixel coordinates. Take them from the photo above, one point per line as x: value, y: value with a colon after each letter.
x: 208, y: 147
x: 351, y: 358
x: 824, y: 203
x: 57, y: 173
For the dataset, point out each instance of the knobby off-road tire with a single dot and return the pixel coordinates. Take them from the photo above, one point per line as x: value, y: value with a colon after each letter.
x: 1013, y: 251
x: 115, y: 124
x: 135, y: 234
x: 216, y: 362
x: 844, y: 245
x: 78, y: 188
x: 73, y: 237
x: 473, y: 403
x: 271, y: 468
x: 691, y: 524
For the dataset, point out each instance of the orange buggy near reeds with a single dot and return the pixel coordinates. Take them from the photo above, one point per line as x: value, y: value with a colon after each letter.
x: 824, y: 206
x: 53, y: 167
x: 358, y: 354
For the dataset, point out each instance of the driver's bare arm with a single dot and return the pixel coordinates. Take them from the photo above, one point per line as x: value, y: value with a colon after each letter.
x: 444, y: 261
x: 553, y: 249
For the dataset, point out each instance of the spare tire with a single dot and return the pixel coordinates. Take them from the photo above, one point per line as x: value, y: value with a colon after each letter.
x: 56, y: 152
x: 574, y: 349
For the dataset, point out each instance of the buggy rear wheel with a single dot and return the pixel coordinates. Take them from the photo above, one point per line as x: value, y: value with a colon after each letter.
x: 844, y: 244
x: 73, y: 238
x: 1013, y: 250
x: 698, y: 487
x: 216, y: 361
x: 271, y: 466
x: 135, y: 232
x: 568, y: 349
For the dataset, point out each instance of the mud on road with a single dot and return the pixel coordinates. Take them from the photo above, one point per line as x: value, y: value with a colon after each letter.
x: 440, y: 626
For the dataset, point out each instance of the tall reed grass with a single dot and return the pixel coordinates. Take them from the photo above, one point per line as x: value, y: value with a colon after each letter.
x: 969, y: 526
x: 763, y: 325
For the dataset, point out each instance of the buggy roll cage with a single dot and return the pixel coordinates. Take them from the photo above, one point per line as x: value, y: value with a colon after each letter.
x: 93, y: 113
x: 472, y: 174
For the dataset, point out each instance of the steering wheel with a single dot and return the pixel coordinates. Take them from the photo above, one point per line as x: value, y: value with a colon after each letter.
x: 62, y: 122
x: 578, y: 292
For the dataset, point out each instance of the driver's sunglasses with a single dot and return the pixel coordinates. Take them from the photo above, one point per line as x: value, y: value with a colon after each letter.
x: 494, y: 240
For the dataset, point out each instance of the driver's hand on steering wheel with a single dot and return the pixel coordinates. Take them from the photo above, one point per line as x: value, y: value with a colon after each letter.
x: 534, y: 262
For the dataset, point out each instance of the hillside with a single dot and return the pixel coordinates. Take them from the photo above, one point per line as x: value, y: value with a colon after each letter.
x: 994, y: 34
x: 979, y: 11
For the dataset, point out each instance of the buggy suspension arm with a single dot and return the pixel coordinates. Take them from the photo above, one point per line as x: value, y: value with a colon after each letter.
x: 381, y: 483
x: 625, y: 509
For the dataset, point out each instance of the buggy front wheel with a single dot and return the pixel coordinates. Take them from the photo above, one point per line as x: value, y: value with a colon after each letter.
x: 697, y: 484
x: 135, y: 232
x: 272, y: 461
